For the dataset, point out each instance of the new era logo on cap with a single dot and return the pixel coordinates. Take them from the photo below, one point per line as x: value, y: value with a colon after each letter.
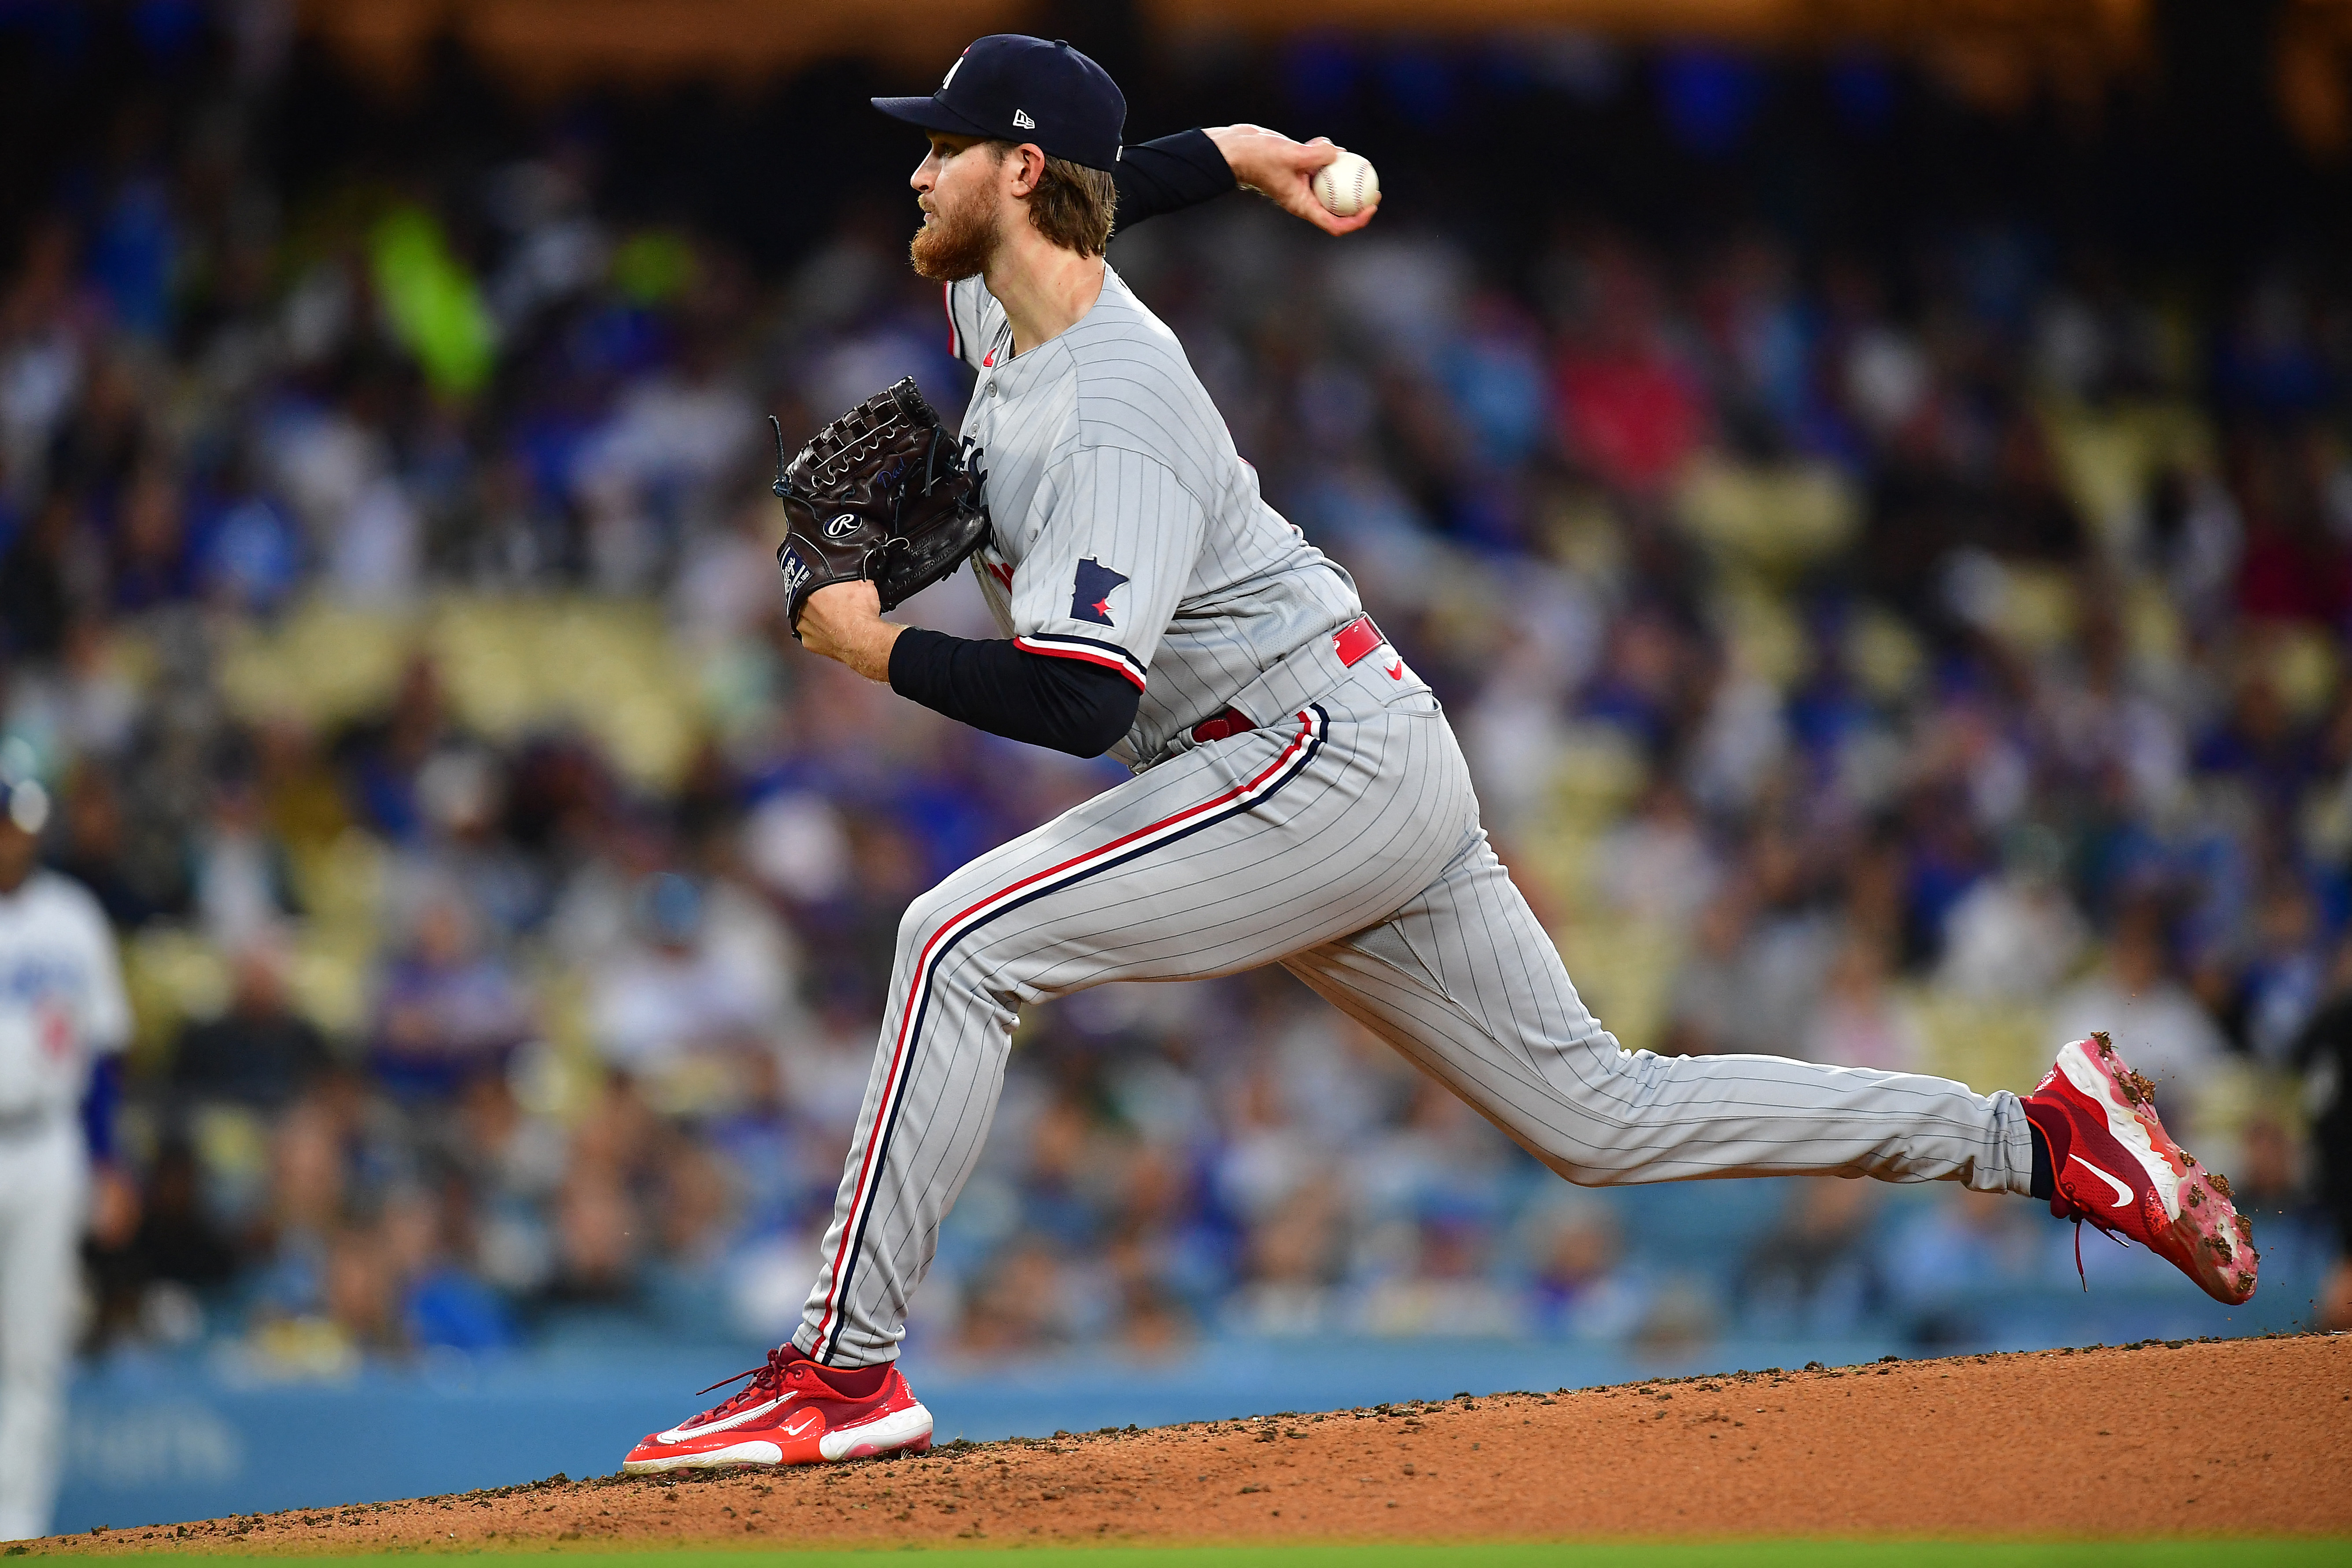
x: 1021, y: 118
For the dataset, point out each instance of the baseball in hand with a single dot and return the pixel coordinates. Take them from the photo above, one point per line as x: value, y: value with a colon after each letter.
x: 1346, y: 185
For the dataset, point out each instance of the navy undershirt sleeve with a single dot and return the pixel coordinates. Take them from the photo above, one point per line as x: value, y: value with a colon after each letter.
x: 1071, y: 706
x: 1168, y: 175
x: 100, y: 1102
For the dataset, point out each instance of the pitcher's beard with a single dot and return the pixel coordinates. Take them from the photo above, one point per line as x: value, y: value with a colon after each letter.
x: 953, y: 246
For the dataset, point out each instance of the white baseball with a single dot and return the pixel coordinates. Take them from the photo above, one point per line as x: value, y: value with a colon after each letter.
x: 1346, y: 185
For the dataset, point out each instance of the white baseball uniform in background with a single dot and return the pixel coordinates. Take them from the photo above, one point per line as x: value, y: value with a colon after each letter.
x: 61, y: 1005
x: 1339, y: 836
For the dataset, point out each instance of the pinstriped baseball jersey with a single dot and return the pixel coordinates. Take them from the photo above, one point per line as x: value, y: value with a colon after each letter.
x: 1128, y: 531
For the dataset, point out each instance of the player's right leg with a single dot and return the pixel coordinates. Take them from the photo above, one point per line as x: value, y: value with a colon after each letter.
x: 1466, y: 982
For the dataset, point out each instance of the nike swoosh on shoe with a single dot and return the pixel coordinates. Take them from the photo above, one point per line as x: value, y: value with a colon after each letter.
x: 2122, y: 1194
x: 681, y: 1434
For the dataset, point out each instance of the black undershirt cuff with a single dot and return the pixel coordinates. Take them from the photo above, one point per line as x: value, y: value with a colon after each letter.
x: 1168, y: 175
x: 1064, y: 703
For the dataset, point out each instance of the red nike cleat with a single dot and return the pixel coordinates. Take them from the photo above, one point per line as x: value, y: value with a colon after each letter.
x: 788, y: 1414
x: 2117, y: 1167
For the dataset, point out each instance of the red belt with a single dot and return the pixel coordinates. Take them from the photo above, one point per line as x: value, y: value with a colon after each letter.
x: 1352, y: 642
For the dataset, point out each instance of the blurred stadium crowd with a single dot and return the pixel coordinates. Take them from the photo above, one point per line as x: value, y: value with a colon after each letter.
x: 1901, y: 662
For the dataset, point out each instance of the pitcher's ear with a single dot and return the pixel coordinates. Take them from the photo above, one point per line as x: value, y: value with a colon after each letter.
x: 1032, y: 168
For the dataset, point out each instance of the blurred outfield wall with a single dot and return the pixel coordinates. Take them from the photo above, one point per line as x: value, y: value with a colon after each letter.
x: 1996, y: 53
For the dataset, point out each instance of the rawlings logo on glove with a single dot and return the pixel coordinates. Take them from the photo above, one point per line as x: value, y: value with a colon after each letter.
x: 883, y: 493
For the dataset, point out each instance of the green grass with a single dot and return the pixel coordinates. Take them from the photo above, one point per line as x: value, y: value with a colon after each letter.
x: 2231, y: 1552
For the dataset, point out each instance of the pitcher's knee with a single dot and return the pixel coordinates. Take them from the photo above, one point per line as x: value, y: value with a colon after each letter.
x: 1595, y: 1125
x: 927, y: 915
x: 950, y: 918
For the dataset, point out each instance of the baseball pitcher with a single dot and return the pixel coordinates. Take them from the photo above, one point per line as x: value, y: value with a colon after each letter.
x: 1299, y: 795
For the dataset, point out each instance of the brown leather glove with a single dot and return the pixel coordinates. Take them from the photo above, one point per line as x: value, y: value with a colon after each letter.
x: 883, y: 492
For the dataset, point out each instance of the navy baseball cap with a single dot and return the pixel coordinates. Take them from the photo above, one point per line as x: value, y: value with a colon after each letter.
x: 1019, y: 88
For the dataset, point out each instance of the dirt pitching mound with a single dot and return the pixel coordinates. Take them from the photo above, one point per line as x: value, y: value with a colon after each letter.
x: 2245, y: 1437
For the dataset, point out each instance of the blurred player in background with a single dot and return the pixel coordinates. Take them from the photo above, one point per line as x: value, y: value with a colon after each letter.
x: 62, y: 1009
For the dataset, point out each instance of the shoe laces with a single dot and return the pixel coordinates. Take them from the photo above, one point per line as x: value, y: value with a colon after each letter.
x: 2078, y: 1215
x: 765, y: 1379
x: 2063, y: 1207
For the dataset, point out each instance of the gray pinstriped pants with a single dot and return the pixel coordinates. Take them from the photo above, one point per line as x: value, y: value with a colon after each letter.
x: 1344, y: 844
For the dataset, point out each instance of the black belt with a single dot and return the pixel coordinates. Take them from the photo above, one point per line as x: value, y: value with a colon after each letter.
x: 26, y: 1122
